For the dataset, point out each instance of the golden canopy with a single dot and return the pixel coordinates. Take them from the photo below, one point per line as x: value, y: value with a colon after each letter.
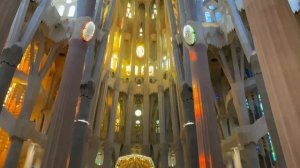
x: 134, y: 161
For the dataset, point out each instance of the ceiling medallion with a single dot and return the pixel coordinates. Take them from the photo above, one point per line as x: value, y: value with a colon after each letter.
x: 88, y: 31
x: 189, y: 35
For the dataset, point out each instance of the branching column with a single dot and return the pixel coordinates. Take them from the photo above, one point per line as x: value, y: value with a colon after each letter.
x: 276, y: 36
x: 235, y: 76
x: 240, y: 29
x: 61, y: 130
x: 8, y: 10
x: 11, y: 57
x: 36, y: 75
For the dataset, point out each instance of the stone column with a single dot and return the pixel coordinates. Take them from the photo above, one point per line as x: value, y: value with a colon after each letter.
x: 109, y: 142
x: 276, y: 36
x: 209, y: 149
x: 82, y: 131
x: 164, y: 150
x: 30, y: 155
x: 146, y: 101
x: 146, y: 120
x: 267, y: 110
x: 240, y: 29
x: 128, y: 122
x: 236, y: 158
x: 34, y: 82
x: 235, y: 76
x: 9, y: 60
x: 32, y: 91
x: 18, y: 22
x: 61, y: 130
x: 8, y: 10
x: 189, y: 132
x: 101, y: 106
x: 175, y: 46
x: 175, y: 127
x: 100, y: 54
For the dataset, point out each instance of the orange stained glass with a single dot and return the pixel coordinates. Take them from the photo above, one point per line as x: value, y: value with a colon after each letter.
x: 24, y: 65
x: 13, y: 103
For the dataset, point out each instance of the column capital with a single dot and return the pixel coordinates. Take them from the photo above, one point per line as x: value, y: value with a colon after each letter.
x: 160, y: 88
x: 11, y: 56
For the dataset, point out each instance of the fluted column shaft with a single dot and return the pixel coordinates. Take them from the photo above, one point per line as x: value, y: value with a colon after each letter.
x: 175, y: 127
x: 209, y: 149
x: 267, y: 110
x: 162, y: 124
x: 81, y: 131
x: 109, y: 142
x: 276, y: 36
x: 128, y: 122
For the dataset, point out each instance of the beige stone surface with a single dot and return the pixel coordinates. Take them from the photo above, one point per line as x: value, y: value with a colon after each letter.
x: 276, y: 37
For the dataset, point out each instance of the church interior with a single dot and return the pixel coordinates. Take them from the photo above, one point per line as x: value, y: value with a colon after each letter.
x: 149, y: 83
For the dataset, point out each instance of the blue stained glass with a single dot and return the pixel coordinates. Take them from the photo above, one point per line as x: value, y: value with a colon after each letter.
x: 211, y: 7
x: 219, y: 16
x: 208, y: 17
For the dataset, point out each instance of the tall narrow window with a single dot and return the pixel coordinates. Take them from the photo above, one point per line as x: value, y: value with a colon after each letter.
x: 61, y: 10
x: 154, y: 14
x: 72, y: 11
x: 141, y: 31
x: 128, y: 11
x: 208, y: 17
x: 157, y: 128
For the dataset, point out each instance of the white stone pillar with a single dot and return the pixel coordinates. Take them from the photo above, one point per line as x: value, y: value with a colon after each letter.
x: 162, y: 124
x: 109, y: 142
x: 128, y: 122
x: 236, y: 158
x: 30, y: 155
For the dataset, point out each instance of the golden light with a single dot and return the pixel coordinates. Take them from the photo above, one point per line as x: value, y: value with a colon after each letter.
x: 114, y: 62
x: 142, y: 70
x: 136, y: 70
x: 140, y: 51
x: 128, y: 70
x: 138, y: 112
x: 151, y: 70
